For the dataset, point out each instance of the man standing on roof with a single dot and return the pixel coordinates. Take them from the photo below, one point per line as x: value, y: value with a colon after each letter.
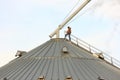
x: 68, y: 33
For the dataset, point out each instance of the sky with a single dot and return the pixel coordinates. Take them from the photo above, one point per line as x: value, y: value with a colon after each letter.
x: 26, y: 24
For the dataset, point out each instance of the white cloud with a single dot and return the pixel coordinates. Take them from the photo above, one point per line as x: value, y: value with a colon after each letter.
x: 108, y: 8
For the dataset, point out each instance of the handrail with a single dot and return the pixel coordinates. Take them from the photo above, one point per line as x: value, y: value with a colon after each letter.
x: 96, y: 51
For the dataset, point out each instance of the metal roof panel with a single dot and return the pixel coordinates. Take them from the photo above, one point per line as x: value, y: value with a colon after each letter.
x: 49, y: 61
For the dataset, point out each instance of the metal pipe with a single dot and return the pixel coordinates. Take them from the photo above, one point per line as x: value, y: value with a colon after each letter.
x: 68, y: 19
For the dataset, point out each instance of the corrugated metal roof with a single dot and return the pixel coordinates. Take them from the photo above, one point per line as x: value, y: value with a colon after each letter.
x: 50, y: 61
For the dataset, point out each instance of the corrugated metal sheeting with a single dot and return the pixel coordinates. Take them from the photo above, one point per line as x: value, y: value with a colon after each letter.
x: 49, y: 60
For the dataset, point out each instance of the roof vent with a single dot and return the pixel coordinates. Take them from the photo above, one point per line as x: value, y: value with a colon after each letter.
x: 65, y: 50
x: 100, y: 78
x: 68, y: 78
x: 41, y: 78
x: 100, y: 55
x: 20, y: 53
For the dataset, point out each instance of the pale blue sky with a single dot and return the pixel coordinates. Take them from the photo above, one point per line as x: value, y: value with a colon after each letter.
x: 26, y: 24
